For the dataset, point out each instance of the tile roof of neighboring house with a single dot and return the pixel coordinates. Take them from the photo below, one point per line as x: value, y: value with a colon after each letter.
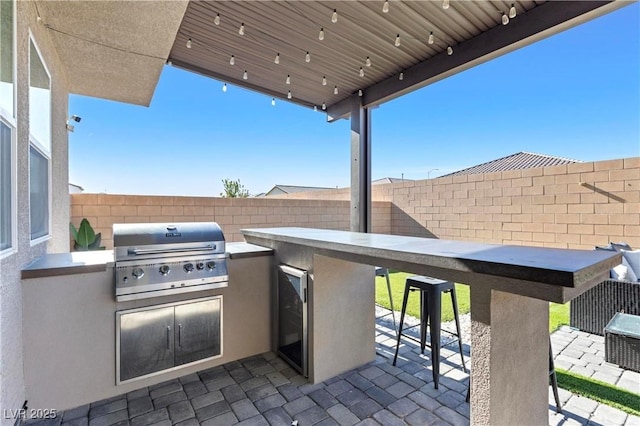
x: 388, y: 180
x: 290, y: 189
x: 73, y: 188
x: 517, y: 161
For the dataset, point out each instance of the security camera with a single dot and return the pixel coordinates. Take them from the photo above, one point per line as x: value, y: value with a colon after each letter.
x: 70, y: 128
x: 75, y: 118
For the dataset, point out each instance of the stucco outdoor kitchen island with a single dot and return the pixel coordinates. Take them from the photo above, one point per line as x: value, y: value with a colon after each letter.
x: 70, y: 324
x: 510, y: 290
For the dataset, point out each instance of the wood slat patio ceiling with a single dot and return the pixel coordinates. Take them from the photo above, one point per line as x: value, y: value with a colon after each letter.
x: 291, y: 28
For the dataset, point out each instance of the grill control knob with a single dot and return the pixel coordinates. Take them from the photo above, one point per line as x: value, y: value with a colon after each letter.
x: 211, y: 264
x: 164, y: 270
x: 200, y: 265
x: 188, y: 267
x: 137, y: 273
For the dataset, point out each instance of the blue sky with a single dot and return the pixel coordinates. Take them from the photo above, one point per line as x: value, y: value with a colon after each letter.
x: 576, y: 95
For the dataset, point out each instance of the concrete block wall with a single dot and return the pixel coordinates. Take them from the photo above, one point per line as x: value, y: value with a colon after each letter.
x: 232, y: 214
x: 571, y: 206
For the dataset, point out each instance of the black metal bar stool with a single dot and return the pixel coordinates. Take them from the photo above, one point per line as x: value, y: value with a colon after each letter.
x: 431, y: 290
x: 384, y: 272
x: 553, y: 378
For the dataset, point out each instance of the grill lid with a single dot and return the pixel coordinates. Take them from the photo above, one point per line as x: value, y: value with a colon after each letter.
x: 154, y: 259
x: 140, y: 234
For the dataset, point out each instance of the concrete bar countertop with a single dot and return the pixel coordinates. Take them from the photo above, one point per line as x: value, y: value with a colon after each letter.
x: 555, y: 275
x: 82, y: 262
x: 510, y: 287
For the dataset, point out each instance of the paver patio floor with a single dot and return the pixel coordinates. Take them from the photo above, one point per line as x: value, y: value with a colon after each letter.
x: 264, y: 390
x: 583, y: 354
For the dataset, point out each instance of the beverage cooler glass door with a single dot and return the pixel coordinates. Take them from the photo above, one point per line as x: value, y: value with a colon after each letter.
x: 292, y: 317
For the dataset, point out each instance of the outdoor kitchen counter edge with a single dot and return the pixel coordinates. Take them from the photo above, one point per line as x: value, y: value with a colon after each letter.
x: 550, y: 274
x: 82, y: 262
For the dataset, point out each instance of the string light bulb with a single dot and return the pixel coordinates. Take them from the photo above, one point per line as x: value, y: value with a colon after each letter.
x: 360, y: 92
x: 277, y: 59
x: 335, y: 90
x: 505, y: 19
x: 232, y: 60
x: 334, y: 16
x: 361, y: 72
x: 445, y: 4
x: 512, y: 11
x: 224, y: 87
x: 289, y: 96
x: 273, y: 101
x: 307, y: 58
x: 216, y: 20
x: 431, y: 38
x: 367, y: 62
x: 241, y: 30
x: 245, y: 75
x: 321, y: 35
x: 189, y: 44
x: 324, y: 80
x: 397, y: 43
x: 315, y: 108
x: 324, y: 106
x: 385, y: 6
x: 449, y: 50
x: 288, y: 79
x: 401, y: 76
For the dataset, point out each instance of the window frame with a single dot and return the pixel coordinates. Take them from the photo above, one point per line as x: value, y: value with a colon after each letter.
x: 9, y: 119
x: 41, y: 148
x: 13, y: 213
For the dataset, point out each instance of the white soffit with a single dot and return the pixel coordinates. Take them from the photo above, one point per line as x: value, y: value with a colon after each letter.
x: 113, y: 49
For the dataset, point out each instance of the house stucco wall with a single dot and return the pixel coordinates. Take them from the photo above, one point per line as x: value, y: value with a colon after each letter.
x: 12, y: 388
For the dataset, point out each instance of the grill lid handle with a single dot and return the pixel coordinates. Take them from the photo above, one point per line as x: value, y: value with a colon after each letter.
x: 139, y: 252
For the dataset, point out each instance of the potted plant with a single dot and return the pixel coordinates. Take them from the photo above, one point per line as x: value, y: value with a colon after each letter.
x: 85, y: 237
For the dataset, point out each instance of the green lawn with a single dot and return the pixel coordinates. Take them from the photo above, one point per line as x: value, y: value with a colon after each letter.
x: 413, y: 305
x: 597, y: 390
x: 558, y: 314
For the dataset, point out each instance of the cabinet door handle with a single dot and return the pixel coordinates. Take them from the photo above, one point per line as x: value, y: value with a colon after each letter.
x: 180, y: 335
x: 168, y: 337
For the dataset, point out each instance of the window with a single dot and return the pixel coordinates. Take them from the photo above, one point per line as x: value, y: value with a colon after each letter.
x: 39, y: 100
x: 7, y: 128
x: 7, y: 66
x: 6, y: 189
x: 38, y: 193
x: 40, y: 145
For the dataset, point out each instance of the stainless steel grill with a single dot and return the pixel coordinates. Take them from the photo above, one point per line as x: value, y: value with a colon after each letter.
x: 153, y: 259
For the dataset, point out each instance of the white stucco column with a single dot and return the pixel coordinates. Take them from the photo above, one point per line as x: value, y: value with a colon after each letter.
x: 509, y: 359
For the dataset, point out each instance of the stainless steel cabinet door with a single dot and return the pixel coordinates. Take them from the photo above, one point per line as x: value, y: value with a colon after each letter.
x: 197, y: 331
x: 146, y: 342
